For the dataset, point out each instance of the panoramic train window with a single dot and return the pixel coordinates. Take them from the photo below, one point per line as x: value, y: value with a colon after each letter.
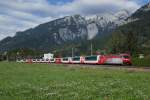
x: 126, y: 57
x: 91, y: 58
x: 65, y: 59
x: 76, y: 59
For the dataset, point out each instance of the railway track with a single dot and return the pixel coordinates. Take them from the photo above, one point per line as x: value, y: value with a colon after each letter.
x: 115, y: 67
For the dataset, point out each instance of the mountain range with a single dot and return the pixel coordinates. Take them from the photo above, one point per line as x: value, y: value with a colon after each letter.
x: 78, y: 31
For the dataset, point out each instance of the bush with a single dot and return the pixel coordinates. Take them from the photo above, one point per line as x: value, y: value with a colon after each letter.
x: 141, y: 62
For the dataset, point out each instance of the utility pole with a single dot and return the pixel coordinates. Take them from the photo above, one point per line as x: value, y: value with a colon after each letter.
x: 91, y: 48
x: 6, y: 55
x: 72, y: 52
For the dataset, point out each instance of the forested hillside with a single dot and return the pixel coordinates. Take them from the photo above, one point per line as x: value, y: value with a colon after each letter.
x: 134, y: 36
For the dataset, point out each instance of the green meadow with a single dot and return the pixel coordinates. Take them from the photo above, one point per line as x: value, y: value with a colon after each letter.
x: 20, y: 81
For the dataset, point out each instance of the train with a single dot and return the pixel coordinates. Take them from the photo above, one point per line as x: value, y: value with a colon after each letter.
x: 120, y: 59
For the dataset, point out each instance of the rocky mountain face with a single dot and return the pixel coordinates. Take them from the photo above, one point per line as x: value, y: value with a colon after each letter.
x: 65, y: 32
x: 103, y: 24
x: 135, y: 33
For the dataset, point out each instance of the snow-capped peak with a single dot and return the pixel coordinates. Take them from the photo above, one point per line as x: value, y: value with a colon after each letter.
x: 122, y: 15
x: 106, y: 18
x: 78, y: 19
x: 105, y: 21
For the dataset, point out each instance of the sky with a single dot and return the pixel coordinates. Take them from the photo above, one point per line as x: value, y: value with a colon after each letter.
x: 19, y: 15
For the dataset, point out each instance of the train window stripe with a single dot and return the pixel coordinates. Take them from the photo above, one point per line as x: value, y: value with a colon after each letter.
x: 91, y: 58
x: 51, y: 59
x: 76, y: 59
x: 65, y: 59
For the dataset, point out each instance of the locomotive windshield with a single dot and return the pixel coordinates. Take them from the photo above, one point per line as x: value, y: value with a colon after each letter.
x: 76, y: 59
x: 126, y: 57
x: 91, y: 58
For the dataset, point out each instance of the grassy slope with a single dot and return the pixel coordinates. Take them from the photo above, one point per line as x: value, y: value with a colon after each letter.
x: 50, y: 82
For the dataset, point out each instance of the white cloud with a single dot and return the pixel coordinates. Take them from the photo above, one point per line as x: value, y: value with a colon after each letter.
x: 18, y: 15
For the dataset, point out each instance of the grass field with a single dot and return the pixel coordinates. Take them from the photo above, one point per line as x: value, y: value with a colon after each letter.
x: 59, y: 82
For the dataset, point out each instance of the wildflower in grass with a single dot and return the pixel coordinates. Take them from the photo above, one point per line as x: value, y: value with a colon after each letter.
x: 50, y: 94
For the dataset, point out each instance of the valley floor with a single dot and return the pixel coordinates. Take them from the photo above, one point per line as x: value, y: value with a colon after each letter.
x: 20, y: 81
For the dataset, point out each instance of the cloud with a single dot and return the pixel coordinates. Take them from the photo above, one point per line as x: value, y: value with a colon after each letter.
x: 99, y: 6
x: 18, y: 15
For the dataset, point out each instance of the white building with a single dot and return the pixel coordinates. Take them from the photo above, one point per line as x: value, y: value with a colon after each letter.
x: 48, y: 56
x: 141, y: 56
